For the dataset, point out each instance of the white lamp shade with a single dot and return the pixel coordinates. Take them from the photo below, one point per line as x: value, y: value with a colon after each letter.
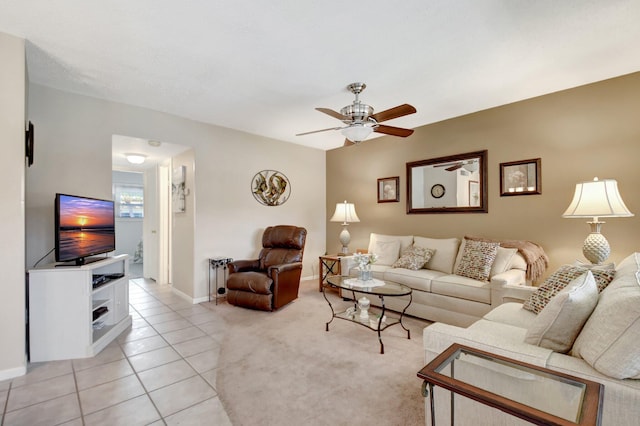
x: 597, y: 198
x: 357, y: 132
x: 345, y: 213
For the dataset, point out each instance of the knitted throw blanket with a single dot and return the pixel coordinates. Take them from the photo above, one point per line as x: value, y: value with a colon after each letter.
x: 537, y: 260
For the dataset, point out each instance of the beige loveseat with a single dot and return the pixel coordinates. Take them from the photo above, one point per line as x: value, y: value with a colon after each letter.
x: 606, y: 350
x: 438, y: 293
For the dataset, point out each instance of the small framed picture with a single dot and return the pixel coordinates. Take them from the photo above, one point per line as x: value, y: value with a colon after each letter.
x: 521, y: 177
x: 389, y: 189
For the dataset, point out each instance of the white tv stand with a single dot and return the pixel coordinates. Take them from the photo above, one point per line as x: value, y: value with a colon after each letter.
x: 62, y: 303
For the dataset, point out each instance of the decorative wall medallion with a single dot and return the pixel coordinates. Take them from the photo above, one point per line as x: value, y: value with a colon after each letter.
x: 270, y: 187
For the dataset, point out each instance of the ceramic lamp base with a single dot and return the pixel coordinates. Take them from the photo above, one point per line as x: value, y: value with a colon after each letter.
x: 596, y: 248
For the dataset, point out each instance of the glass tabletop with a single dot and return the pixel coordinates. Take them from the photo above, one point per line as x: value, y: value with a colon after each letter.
x: 388, y: 288
x: 523, y: 388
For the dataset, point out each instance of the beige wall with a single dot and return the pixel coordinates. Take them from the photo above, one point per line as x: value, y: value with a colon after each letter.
x: 12, y: 287
x: 580, y: 133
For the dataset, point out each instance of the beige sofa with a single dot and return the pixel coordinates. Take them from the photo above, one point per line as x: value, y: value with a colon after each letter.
x: 606, y: 350
x: 438, y: 293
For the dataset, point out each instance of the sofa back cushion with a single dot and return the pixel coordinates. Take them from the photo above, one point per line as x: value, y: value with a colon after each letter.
x: 609, y: 341
x: 558, y: 324
x: 387, y: 252
x: 444, y: 256
x: 405, y: 242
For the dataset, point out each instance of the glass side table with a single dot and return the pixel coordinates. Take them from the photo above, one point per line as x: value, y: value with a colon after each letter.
x: 535, y: 394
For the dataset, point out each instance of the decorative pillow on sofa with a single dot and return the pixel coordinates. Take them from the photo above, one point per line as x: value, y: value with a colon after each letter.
x: 559, y: 323
x: 609, y: 340
x: 387, y: 251
x: 559, y: 280
x: 414, y: 258
x: 477, y: 259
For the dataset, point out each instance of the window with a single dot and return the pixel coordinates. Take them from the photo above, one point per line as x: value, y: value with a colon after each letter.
x: 129, y: 200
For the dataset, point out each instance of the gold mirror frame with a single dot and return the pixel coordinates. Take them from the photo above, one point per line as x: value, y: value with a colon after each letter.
x: 452, y: 184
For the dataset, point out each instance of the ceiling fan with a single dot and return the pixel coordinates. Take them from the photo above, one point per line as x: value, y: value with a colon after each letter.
x: 471, y: 165
x: 361, y: 121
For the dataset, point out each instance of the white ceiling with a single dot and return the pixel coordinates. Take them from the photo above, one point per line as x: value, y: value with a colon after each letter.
x: 263, y: 66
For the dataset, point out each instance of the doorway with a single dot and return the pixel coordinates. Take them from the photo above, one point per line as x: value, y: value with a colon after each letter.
x: 151, y: 257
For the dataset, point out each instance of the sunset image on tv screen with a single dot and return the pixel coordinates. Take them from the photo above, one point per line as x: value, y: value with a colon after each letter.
x: 85, y: 213
x: 86, y: 227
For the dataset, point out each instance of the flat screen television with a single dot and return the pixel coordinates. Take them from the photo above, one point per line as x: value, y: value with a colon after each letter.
x: 84, y: 227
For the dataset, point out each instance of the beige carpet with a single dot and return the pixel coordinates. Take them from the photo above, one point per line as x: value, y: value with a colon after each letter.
x: 283, y: 368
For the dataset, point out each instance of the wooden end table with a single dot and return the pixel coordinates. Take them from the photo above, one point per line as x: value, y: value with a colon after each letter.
x: 329, y: 265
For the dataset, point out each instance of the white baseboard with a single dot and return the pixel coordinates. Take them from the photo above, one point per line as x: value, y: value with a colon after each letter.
x: 13, y: 372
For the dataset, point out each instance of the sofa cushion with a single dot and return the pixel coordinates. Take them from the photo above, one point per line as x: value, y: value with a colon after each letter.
x: 387, y: 252
x: 462, y: 288
x: 477, y: 259
x: 609, y: 341
x: 414, y: 258
x: 417, y: 280
x: 405, y: 241
x: 558, y: 324
x: 445, y: 253
x: 559, y: 280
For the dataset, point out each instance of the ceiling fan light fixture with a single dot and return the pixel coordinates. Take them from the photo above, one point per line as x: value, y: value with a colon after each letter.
x: 136, y: 158
x: 357, y: 132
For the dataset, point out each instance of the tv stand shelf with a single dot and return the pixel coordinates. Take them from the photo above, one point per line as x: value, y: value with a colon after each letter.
x: 62, y: 303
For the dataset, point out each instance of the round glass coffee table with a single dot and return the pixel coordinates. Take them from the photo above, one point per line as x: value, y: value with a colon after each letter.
x: 364, y: 316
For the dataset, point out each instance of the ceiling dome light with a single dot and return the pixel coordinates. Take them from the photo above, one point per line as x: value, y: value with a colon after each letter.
x: 136, y: 158
x: 357, y: 132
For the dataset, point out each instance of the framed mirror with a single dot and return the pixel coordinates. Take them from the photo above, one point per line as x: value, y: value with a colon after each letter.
x: 453, y: 184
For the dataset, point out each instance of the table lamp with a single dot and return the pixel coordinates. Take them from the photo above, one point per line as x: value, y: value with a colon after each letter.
x: 345, y: 213
x: 596, y: 199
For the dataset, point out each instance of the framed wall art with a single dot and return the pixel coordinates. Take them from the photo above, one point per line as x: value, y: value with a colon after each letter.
x: 521, y: 177
x: 389, y: 189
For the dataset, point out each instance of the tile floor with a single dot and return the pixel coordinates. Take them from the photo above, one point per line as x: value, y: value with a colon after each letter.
x: 162, y: 371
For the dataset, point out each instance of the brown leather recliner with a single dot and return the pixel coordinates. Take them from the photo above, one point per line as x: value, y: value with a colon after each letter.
x: 272, y: 280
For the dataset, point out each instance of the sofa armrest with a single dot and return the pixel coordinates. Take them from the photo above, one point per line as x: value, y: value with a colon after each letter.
x: 510, y: 286
x: 346, y: 263
x: 510, y: 277
x: 439, y: 336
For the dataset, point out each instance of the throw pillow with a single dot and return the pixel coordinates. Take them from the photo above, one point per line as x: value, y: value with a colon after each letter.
x: 559, y: 323
x: 387, y: 251
x: 504, y: 258
x: 559, y: 280
x: 477, y: 259
x: 414, y: 258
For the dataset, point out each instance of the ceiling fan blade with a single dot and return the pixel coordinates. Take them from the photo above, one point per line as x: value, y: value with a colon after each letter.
x: 399, y: 111
x: 318, y: 131
x: 454, y: 167
x: 333, y: 114
x: 347, y: 142
x: 393, y: 131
